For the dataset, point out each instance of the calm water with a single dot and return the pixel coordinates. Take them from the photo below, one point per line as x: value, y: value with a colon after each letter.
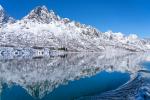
x: 101, y: 82
x: 75, y: 76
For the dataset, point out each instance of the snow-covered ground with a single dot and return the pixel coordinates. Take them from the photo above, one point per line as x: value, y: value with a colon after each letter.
x: 44, y: 28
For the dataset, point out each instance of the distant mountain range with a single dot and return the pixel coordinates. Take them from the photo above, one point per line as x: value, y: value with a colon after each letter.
x: 44, y: 28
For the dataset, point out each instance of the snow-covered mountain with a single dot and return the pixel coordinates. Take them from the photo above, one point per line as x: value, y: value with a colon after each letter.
x: 41, y: 15
x: 43, y: 28
x: 4, y: 18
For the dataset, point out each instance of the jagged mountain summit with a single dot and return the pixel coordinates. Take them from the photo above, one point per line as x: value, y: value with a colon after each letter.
x: 41, y: 14
x: 4, y: 18
x: 44, y: 28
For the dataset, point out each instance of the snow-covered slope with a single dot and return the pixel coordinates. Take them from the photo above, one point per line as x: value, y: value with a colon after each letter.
x: 43, y: 28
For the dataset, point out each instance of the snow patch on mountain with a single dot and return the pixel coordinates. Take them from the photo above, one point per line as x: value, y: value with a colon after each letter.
x: 1, y: 8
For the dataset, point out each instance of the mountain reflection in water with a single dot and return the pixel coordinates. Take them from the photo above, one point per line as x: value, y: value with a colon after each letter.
x: 80, y: 75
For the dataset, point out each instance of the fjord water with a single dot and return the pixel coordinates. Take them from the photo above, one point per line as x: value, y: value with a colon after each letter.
x: 75, y: 76
x: 99, y: 83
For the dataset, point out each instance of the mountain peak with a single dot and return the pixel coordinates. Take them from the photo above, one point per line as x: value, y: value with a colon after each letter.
x: 1, y: 8
x: 41, y: 10
x: 41, y: 14
x: 4, y: 18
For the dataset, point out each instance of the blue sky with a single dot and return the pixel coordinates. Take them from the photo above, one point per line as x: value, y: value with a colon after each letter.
x: 126, y: 16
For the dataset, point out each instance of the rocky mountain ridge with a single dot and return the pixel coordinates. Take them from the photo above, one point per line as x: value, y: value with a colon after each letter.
x: 44, y: 28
